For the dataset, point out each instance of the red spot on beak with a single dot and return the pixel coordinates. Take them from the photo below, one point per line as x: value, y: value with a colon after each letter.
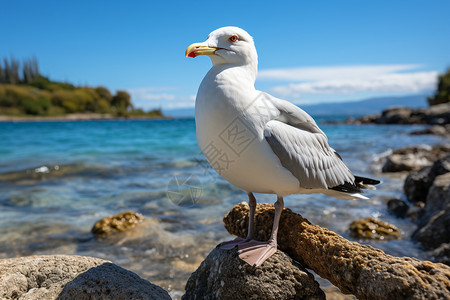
x: 192, y: 54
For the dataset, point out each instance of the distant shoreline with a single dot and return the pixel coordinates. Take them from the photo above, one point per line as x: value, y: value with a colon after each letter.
x: 78, y: 117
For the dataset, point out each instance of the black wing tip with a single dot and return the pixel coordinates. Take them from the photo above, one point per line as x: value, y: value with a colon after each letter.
x: 358, y: 186
x: 349, y: 188
x: 365, y: 180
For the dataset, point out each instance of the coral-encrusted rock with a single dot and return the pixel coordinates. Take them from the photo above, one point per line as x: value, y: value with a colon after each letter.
x: 371, y: 228
x: 71, y: 277
x: 364, y: 271
x: 222, y: 275
x: 414, y: 158
x: 121, y: 222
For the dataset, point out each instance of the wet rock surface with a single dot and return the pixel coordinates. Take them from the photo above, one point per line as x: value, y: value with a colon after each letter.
x: 222, y: 275
x: 414, y: 158
x: 361, y: 270
x: 371, y: 228
x: 434, y: 224
x: 117, y: 223
x: 71, y: 277
x: 438, y: 130
x: 442, y: 254
x: 398, y: 207
x: 418, y: 183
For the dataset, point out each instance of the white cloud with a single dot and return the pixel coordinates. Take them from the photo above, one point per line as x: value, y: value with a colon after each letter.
x: 401, y: 82
x: 330, y: 73
x: 152, y: 93
x: 351, y: 80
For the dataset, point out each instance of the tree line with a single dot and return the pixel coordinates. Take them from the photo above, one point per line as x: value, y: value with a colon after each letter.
x: 442, y: 94
x: 24, y: 91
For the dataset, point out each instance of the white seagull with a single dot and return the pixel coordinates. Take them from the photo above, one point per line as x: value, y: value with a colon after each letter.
x: 260, y: 143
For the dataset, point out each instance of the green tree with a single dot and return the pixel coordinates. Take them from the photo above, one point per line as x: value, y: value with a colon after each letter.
x: 442, y: 94
x: 122, y: 102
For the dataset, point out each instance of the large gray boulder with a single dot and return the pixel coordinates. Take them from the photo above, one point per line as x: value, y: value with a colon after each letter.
x: 436, y: 218
x: 71, y: 277
x: 418, y: 183
x: 222, y: 275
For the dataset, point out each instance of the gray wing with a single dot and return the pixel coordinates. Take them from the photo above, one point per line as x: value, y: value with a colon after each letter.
x: 303, y: 149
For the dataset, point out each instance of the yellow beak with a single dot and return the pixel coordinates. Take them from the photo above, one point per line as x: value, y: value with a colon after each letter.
x: 197, y: 49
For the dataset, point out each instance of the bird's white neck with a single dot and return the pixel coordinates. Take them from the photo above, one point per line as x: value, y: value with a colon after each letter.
x: 244, y: 75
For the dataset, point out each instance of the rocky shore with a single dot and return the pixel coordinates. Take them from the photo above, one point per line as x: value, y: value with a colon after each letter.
x: 433, y: 115
x: 78, y: 117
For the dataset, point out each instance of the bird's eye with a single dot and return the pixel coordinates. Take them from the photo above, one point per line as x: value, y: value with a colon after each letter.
x: 233, y: 38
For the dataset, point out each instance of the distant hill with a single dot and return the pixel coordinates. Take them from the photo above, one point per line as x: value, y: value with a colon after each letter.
x: 363, y: 107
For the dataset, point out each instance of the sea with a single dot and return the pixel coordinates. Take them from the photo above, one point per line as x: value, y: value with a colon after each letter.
x: 58, y: 178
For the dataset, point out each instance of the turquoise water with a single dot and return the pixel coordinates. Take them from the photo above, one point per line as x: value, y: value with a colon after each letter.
x: 58, y: 178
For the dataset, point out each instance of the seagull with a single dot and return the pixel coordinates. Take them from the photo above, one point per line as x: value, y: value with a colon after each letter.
x: 260, y: 143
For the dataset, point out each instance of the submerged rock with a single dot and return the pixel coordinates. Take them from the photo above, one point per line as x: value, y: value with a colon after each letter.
x: 371, y: 228
x: 361, y: 270
x: 120, y: 222
x: 222, y: 275
x: 398, y: 207
x: 71, y: 277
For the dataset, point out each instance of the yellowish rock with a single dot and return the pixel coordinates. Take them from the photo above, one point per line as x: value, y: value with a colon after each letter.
x: 371, y: 228
x: 121, y: 222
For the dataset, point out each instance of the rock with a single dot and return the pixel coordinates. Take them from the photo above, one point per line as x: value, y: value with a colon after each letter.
x: 419, y: 182
x: 222, y: 275
x: 434, y: 115
x: 434, y: 130
x: 364, y: 271
x: 371, y: 228
x: 71, y: 277
x: 395, y: 115
x: 416, y: 211
x: 438, y: 197
x: 121, y: 222
x: 398, y: 207
x: 436, y: 231
x: 441, y: 254
x: 414, y: 158
x: 435, y: 223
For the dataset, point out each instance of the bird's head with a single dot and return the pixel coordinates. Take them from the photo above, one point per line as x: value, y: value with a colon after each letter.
x: 226, y: 45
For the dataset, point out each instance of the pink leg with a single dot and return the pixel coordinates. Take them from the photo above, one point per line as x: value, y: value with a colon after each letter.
x: 255, y: 252
x: 251, y: 226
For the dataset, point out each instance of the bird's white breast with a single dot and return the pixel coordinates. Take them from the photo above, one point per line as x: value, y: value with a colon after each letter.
x: 230, y: 119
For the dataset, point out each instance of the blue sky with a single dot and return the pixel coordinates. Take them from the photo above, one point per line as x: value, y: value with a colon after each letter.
x: 309, y: 51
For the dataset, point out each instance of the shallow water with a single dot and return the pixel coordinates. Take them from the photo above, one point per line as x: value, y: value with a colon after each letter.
x: 58, y: 178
